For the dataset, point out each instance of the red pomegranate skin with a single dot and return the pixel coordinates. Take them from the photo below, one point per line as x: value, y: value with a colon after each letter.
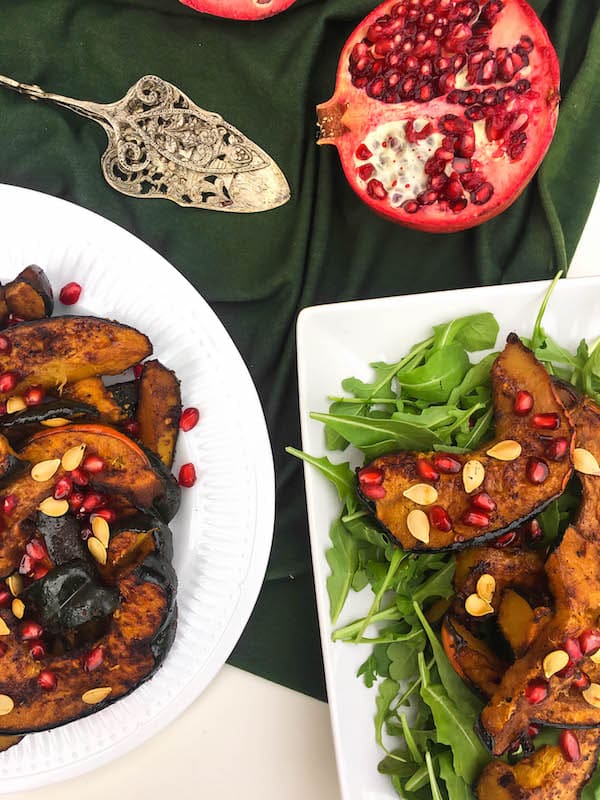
x: 247, y: 10
x: 481, y: 178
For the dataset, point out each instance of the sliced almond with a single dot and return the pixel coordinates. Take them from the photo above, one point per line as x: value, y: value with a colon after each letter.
x: 585, y: 462
x: 473, y: 474
x: 55, y: 422
x: 15, y: 584
x: 45, y: 470
x: 18, y: 608
x: 591, y: 695
x: 54, y: 508
x: 97, y: 549
x: 554, y: 662
x: 507, y: 450
x: 418, y: 525
x: 486, y: 586
x: 4, y: 629
x: 6, y: 705
x: 14, y: 404
x: 73, y: 457
x: 100, y: 529
x: 421, y: 493
x: 478, y: 607
x: 97, y: 695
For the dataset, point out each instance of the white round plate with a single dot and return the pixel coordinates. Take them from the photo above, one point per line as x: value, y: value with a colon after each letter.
x: 223, y: 532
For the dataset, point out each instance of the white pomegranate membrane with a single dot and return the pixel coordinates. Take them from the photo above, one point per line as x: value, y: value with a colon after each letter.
x: 427, y: 49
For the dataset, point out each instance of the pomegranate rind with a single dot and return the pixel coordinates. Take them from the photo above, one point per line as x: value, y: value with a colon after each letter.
x: 244, y: 10
x: 348, y: 118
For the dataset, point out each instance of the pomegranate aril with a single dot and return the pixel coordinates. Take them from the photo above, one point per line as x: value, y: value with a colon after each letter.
x: 427, y: 198
x: 523, y: 403
x: 537, y: 470
x: 26, y: 565
x: 458, y: 205
x: 440, y: 519
x: 410, y: 206
x: 516, y: 145
x: 34, y: 395
x: 30, y: 630
x: 475, y: 113
x: 63, y: 488
x: 14, y: 320
x: 70, y: 293
x: 8, y: 381
x: 370, y: 491
x: 370, y: 476
x: 447, y: 464
x: 39, y: 571
x: 5, y: 597
x: 534, y: 531
x: 37, y: 650
x: 522, y: 86
x: 93, y: 659
x: 9, y: 504
x: 91, y: 502
x: 483, y: 194
x: 569, y: 745
x: 526, y: 44
x: 426, y: 470
x: 536, y: 691
x: 376, y: 189
x: 93, y: 464
x: 589, y: 641
x: 79, y: 477
x: 476, y: 519
x: 106, y: 513
x: 546, y: 422
x: 47, y: 680
x: 581, y: 681
x: 132, y: 428
x: 187, y: 475
x: 36, y: 550
x: 5, y: 345
x: 484, y: 502
x: 573, y: 649
x: 75, y: 501
x: 557, y: 449
x: 86, y: 533
x: 365, y: 172
x: 533, y: 730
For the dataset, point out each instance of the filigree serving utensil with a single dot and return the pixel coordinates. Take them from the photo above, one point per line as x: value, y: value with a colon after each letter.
x: 161, y: 144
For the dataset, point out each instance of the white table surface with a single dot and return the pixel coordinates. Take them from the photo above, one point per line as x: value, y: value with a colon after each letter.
x: 245, y: 737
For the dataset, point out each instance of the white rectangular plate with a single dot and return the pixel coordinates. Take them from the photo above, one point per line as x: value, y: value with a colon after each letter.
x: 336, y: 341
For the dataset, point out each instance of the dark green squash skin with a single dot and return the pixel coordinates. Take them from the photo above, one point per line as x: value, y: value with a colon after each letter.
x: 125, y: 395
x: 22, y: 424
x: 11, y: 467
x: 168, y: 505
x: 62, y: 538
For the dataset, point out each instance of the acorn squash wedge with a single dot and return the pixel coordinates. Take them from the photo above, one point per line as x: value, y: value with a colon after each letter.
x: 527, y: 692
x: 158, y: 410
x: 439, y: 501
x: 29, y: 296
x: 93, y: 392
x: 53, y: 352
x: 471, y: 658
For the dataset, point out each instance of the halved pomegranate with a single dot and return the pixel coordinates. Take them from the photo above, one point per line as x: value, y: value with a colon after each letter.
x: 443, y: 109
x: 240, y: 9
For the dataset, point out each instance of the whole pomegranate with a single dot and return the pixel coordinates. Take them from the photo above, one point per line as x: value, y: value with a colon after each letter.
x: 240, y: 9
x: 443, y: 109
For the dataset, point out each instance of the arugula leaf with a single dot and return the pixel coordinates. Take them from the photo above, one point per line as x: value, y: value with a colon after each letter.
x: 403, y: 658
x: 410, y: 742
x: 333, y: 440
x: 474, y: 332
x: 438, y: 376
x: 478, y: 375
x: 435, y: 789
x: 380, y: 387
x: 342, y: 558
x: 363, y: 529
x: 397, y: 762
x: 365, y: 432
x: 456, y: 787
x: 387, y: 691
x: 341, y: 475
x: 376, y: 665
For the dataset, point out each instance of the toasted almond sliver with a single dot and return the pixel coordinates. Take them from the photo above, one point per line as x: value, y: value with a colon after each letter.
x: 54, y: 508
x: 18, y: 608
x: 14, y: 404
x: 15, y: 584
x: 473, y: 474
x: 507, y: 450
x: 554, y: 662
x: 585, y: 462
x: 4, y: 629
x: 45, y: 470
x: 97, y: 695
x: 55, y: 422
x: 100, y: 529
x: 477, y: 606
x: 421, y: 493
x: 6, y: 705
x: 591, y: 695
x: 97, y: 549
x: 417, y: 523
x: 486, y: 586
x: 73, y: 457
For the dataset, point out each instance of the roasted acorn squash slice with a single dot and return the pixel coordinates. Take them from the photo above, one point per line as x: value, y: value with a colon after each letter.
x: 30, y: 296
x: 158, y: 410
x: 93, y: 392
x: 437, y: 501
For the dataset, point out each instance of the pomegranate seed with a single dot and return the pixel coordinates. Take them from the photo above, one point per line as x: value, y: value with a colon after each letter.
x: 506, y: 539
x: 410, y: 206
x: 581, y: 681
x: 370, y: 491
x: 363, y: 153
x: 8, y: 381
x: 376, y: 189
x: 5, y: 345
x: 546, y: 422
x: 30, y: 630
x: 137, y: 371
x: 106, y: 513
x: 70, y: 294
x: 75, y: 501
x: 187, y: 476
x: 26, y: 565
x: 63, y: 488
x: 93, y: 464
x: 93, y: 659
x: 535, y: 531
x: 476, y: 519
x: 34, y: 396
x: 5, y: 597
x: 39, y: 571
x: 440, y: 519
x: 426, y: 470
x: 36, y: 550
x: 537, y: 470
x: 2, y: 407
x: 92, y: 501
x: 370, y: 476
x: 365, y: 171
x: 10, y: 502
x: 47, y: 680
x: 447, y: 464
x: 589, y: 641
x: 484, y: 502
x: 37, y: 649
x: 132, y: 428
x: 572, y: 649
x: 536, y: 691
x: 533, y: 731
x: 3, y: 649
x: 569, y: 744
x: 79, y: 477
x: 557, y: 449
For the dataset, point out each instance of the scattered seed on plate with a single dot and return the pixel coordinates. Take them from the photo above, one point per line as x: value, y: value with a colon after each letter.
x: 507, y: 450
x: 421, y: 493
x: 18, y: 608
x: 93, y: 696
x: 54, y: 508
x: 100, y: 529
x: 97, y: 549
x: 44, y: 470
x: 73, y: 457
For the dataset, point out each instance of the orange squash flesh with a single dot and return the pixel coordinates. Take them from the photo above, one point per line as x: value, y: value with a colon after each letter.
x: 158, y: 411
x: 93, y: 392
x: 519, y: 622
x: 506, y: 482
x: 471, y: 658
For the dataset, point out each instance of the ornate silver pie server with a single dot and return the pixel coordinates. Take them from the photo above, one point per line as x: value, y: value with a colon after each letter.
x: 160, y: 144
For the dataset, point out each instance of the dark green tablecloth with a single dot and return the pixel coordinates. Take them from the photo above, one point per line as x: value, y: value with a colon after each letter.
x: 257, y: 271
